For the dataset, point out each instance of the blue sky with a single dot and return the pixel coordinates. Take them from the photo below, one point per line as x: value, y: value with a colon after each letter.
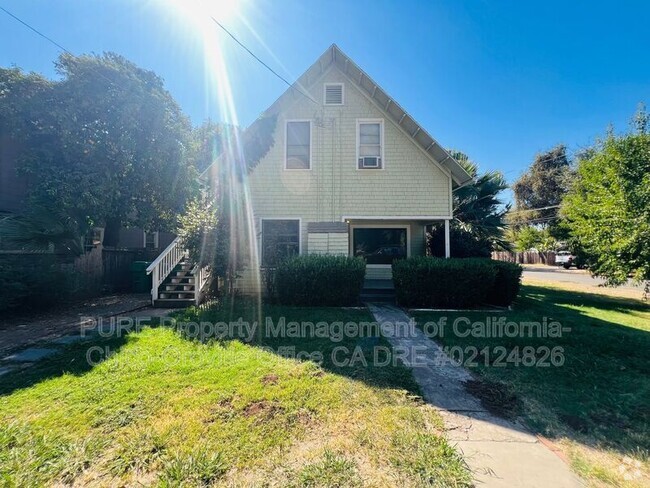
x: 500, y: 80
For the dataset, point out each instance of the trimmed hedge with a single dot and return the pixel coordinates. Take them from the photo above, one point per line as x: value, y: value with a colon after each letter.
x: 454, y: 283
x: 313, y: 280
x: 506, y: 285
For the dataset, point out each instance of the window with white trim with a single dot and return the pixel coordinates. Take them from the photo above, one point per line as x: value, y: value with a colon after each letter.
x: 369, y: 144
x: 333, y: 93
x: 298, y: 144
x: 151, y: 240
x: 280, y: 240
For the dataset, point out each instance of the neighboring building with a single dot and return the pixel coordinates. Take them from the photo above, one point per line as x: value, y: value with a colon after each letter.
x: 350, y: 172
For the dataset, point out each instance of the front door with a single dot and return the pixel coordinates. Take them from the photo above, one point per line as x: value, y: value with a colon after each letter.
x: 380, y: 246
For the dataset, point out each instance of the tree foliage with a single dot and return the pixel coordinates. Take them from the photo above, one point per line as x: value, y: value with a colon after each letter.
x: 608, y: 207
x: 531, y: 237
x: 479, y: 224
x: 106, y: 144
x: 543, y: 185
x: 217, y: 224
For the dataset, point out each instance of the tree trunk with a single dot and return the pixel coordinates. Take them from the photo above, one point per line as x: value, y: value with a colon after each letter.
x: 112, y: 232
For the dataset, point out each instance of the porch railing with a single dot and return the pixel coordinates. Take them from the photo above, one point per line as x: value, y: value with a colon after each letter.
x: 201, y: 276
x: 163, y: 265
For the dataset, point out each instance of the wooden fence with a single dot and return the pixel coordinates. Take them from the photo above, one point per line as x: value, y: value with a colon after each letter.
x: 526, y: 257
x: 116, y: 267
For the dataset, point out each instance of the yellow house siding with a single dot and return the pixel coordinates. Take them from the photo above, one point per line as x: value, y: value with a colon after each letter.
x: 409, y: 185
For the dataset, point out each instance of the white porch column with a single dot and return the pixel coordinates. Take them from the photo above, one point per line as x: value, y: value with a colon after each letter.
x: 447, y: 246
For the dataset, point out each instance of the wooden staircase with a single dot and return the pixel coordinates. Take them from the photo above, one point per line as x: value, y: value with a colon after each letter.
x: 175, y: 281
x: 178, y: 290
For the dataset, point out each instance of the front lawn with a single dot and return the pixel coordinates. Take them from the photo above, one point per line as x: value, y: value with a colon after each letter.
x: 597, y: 404
x: 165, y: 410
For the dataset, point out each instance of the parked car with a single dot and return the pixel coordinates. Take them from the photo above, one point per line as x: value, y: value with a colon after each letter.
x: 564, y: 259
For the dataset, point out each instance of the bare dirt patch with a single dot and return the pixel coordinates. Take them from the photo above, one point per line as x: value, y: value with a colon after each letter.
x: 270, y: 379
x: 262, y: 409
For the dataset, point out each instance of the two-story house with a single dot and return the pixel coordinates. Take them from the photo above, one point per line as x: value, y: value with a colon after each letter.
x: 350, y: 172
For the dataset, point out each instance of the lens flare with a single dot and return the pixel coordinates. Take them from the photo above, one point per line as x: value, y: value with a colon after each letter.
x: 197, y: 18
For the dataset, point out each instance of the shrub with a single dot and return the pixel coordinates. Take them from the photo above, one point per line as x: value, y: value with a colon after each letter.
x: 35, y: 281
x: 506, y: 285
x: 454, y: 283
x: 319, y: 280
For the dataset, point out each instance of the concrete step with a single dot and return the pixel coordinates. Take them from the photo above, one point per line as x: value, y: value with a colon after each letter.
x: 173, y: 303
x: 385, y: 295
x: 369, y: 284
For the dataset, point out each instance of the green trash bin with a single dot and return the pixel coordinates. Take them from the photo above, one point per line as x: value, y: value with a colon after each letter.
x: 140, y: 280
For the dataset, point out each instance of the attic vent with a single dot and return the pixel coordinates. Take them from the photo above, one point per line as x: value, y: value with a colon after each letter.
x: 333, y: 93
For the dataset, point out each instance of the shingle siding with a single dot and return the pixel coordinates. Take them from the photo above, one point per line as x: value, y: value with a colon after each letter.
x: 410, y: 183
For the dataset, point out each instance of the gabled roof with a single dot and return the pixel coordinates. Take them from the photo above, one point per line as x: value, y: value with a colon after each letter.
x: 334, y: 55
x: 384, y: 102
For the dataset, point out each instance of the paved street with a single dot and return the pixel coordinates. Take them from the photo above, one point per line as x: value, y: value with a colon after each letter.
x: 576, y: 276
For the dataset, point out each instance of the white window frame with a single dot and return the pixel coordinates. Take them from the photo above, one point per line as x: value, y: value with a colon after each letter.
x: 325, y: 85
x: 155, y: 239
x: 286, y: 145
x: 261, y: 242
x: 381, y: 143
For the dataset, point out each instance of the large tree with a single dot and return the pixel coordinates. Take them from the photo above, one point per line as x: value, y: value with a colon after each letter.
x: 543, y: 185
x: 106, y: 144
x: 608, y: 206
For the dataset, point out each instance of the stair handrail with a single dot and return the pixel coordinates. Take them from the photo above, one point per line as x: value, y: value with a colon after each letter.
x: 201, y: 276
x: 164, y: 264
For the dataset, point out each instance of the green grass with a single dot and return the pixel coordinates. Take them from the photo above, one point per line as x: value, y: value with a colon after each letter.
x: 167, y: 411
x: 597, y: 405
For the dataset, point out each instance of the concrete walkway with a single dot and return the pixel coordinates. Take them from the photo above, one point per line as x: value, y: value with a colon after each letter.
x: 30, y: 328
x: 499, y: 452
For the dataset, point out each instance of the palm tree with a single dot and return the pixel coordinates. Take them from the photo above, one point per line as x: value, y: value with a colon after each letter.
x: 39, y: 228
x: 478, y: 210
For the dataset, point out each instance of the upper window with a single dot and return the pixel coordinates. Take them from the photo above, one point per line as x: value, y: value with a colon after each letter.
x: 298, y: 144
x: 280, y: 240
x: 333, y: 93
x: 370, y: 142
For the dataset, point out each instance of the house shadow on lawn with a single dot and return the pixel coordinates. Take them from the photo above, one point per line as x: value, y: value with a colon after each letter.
x: 352, y: 357
x: 599, y: 396
x: 74, y: 359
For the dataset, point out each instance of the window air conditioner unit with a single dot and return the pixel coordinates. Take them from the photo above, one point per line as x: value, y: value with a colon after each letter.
x: 370, y: 162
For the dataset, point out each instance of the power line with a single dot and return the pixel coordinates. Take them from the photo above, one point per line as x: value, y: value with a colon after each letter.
x: 33, y: 29
x: 535, y: 209
x: 290, y: 85
x: 53, y: 42
x: 67, y: 51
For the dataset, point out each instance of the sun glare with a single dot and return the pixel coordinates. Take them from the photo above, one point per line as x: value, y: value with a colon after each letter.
x: 196, y: 18
x: 202, y: 10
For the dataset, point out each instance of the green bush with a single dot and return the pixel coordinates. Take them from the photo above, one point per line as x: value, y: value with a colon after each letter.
x: 506, y: 285
x: 311, y: 280
x: 454, y: 283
